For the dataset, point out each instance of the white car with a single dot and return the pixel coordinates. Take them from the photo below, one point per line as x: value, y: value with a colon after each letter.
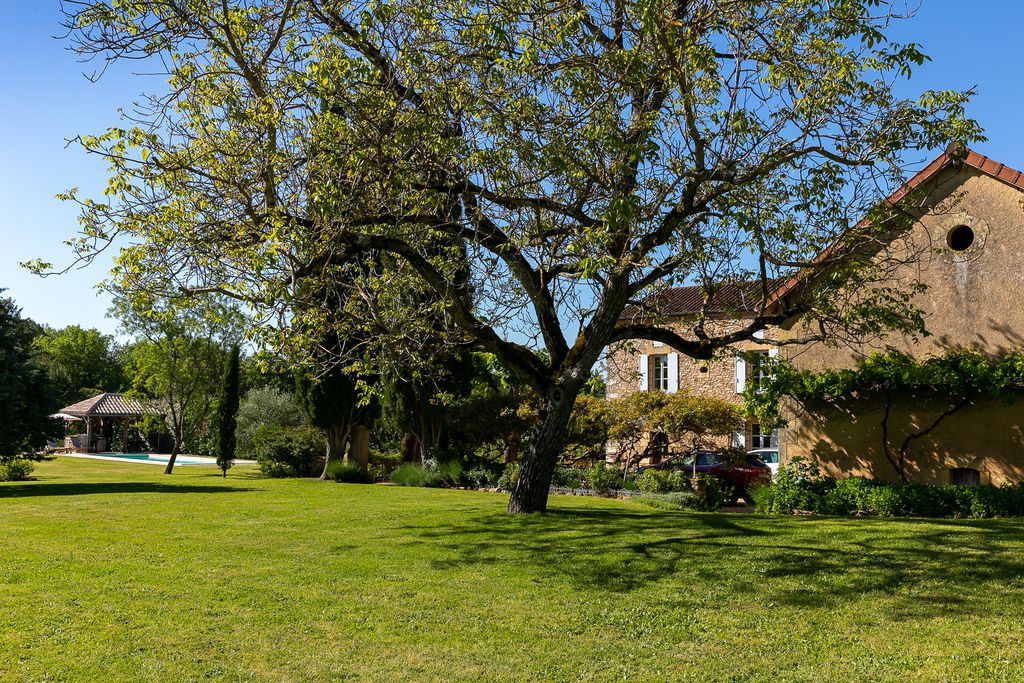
x: 769, y: 456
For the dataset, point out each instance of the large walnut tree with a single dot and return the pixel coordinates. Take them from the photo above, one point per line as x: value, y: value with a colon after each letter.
x: 585, y: 154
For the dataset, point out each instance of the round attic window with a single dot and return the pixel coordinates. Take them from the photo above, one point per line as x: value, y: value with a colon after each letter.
x: 960, y: 238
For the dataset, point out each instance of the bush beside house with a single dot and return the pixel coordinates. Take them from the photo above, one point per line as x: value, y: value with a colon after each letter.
x: 800, y: 487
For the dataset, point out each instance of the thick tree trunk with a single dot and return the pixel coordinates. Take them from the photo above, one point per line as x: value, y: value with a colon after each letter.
x: 359, y: 446
x: 410, y: 448
x: 336, y: 439
x: 548, y: 438
x: 174, y: 456
x: 426, y: 444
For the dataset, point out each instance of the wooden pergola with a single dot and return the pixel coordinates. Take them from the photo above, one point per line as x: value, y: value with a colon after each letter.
x: 101, y: 413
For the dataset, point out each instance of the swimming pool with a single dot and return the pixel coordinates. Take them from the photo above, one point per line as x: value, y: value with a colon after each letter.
x: 151, y: 458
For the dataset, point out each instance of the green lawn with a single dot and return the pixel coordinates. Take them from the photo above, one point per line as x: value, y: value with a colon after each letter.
x: 117, y: 572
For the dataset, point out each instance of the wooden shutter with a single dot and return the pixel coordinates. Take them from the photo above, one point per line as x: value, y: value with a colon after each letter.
x: 741, y: 374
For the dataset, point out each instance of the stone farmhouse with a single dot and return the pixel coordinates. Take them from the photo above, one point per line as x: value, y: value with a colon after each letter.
x: 653, y: 366
x: 966, y: 245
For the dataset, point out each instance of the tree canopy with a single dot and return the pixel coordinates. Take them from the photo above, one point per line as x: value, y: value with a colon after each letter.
x: 179, y: 360
x: 28, y: 394
x: 685, y: 422
x: 582, y: 155
x: 85, y: 362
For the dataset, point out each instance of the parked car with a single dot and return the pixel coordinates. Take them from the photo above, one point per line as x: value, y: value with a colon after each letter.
x: 769, y: 456
x: 739, y: 477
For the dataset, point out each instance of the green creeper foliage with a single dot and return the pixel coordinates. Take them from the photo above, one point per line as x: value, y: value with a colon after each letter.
x: 957, y: 377
x: 954, y: 381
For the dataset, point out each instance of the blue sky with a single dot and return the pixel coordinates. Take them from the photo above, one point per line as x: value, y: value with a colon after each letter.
x: 46, y: 100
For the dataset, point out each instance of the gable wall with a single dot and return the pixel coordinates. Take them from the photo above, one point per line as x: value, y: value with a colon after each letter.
x: 975, y: 299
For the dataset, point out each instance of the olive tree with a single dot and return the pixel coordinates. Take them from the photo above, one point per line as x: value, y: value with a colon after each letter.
x: 584, y: 154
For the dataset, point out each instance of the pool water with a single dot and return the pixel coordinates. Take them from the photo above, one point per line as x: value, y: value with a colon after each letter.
x: 154, y: 458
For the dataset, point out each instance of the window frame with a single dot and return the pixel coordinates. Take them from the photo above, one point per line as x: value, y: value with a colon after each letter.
x: 756, y: 361
x: 659, y: 372
x: 959, y: 476
x: 762, y: 439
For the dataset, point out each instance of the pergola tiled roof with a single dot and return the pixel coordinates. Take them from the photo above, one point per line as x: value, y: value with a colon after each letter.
x: 110, y: 405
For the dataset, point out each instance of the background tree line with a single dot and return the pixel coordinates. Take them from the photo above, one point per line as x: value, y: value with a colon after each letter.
x: 468, y: 411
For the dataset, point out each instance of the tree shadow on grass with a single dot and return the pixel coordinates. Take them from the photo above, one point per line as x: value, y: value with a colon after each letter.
x: 920, y: 567
x: 78, y: 489
x: 929, y: 567
x: 618, y: 550
x: 239, y: 475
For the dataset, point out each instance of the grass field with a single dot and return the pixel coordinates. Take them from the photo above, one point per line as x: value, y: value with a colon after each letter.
x: 116, y: 572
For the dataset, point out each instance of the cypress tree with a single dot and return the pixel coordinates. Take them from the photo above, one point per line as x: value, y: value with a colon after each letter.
x: 227, y: 413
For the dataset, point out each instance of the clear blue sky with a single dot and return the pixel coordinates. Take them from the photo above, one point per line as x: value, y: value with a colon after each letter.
x: 46, y: 99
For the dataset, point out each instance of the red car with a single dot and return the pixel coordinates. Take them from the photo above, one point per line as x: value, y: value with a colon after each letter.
x: 740, y: 477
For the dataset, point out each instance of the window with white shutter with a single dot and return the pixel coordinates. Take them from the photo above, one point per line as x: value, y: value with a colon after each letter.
x: 756, y: 370
x: 741, y: 374
x: 659, y: 372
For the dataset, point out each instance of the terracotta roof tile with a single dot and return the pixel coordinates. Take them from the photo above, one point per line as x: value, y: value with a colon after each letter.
x: 731, y: 297
x: 110, y: 405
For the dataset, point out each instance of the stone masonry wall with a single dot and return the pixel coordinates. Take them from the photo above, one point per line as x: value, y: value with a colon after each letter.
x: 714, y: 378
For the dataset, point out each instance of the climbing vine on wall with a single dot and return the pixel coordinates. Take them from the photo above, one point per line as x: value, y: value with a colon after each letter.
x: 954, y: 381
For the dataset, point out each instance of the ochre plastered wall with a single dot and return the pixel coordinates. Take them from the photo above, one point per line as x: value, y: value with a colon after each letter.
x: 846, y: 439
x: 974, y: 299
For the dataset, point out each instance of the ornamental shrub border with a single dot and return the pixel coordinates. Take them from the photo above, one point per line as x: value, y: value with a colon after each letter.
x: 800, y: 488
x: 666, y: 490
